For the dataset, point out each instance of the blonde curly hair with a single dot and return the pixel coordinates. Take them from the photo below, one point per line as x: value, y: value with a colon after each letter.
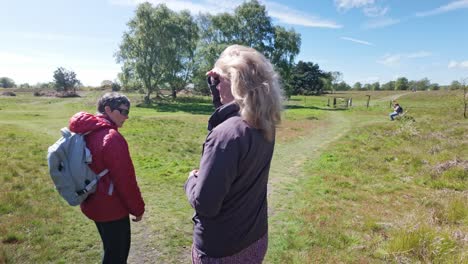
x: 254, y: 85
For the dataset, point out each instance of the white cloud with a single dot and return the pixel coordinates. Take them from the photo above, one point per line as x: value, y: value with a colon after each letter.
x: 419, y: 54
x: 348, y: 4
x: 290, y: 16
x: 357, y: 41
x: 454, y: 64
x: 445, y: 8
x: 390, y: 60
x: 380, y: 23
x: 280, y: 12
x: 375, y: 11
x: 396, y: 59
x: 369, y: 7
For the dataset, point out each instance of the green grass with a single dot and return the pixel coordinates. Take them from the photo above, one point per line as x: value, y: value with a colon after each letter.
x: 346, y: 186
x: 365, y: 199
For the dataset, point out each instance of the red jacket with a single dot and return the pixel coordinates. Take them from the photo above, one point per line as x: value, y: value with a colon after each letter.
x: 110, y: 151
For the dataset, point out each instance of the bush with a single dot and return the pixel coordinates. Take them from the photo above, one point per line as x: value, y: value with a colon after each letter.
x: 67, y: 95
x: 8, y: 94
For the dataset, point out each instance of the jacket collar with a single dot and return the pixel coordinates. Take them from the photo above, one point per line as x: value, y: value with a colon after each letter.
x: 223, y: 113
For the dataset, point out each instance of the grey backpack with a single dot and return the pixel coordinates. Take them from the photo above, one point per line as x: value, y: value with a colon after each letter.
x: 68, y: 161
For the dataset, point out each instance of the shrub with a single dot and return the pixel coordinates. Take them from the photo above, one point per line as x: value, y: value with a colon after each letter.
x: 8, y: 93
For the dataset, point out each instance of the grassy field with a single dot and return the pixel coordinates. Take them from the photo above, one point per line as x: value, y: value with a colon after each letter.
x: 346, y: 186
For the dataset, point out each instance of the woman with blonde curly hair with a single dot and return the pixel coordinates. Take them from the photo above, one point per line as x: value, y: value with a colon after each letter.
x: 229, y: 190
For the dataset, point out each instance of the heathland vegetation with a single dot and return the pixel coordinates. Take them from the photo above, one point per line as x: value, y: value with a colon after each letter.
x: 346, y: 185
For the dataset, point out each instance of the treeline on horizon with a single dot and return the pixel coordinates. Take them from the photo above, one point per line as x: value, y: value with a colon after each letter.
x: 167, y: 50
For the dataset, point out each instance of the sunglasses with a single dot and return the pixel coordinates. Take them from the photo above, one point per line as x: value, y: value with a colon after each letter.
x: 123, y: 112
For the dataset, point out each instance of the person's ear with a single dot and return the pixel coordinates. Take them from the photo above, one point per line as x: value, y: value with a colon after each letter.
x: 107, y: 109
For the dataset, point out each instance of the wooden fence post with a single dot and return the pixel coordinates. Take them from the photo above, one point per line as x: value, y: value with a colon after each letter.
x: 465, y: 90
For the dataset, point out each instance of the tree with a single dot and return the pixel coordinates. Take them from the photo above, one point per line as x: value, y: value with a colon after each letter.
x: 183, y: 64
x: 251, y: 26
x: 286, y: 48
x: 402, y: 84
x: 337, y: 77
x: 24, y: 86
x: 434, y: 87
x: 156, y: 48
x: 389, y: 86
x: 116, y: 86
x: 330, y: 80
x: 307, y: 78
x: 357, y: 86
x: 39, y: 85
x: 129, y: 80
x: 254, y: 27
x: 106, y: 84
x: 6, y: 82
x: 455, y: 85
x: 65, y: 80
x: 375, y: 86
x: 209, y: 47
x: 422, y: 84
x: 342, y: 86
x: 326, y: 80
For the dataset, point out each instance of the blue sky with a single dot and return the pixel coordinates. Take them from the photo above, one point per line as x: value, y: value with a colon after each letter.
x: 366, y: 40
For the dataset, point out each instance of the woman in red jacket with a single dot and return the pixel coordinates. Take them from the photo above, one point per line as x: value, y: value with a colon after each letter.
x: 117, y: 194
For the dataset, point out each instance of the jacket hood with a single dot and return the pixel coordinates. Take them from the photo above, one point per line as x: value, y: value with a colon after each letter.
x: 83, y: 122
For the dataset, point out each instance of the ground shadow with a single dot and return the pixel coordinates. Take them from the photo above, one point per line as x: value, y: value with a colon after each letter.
x: 204, y: 106
x: 314, y: 108
x: 192, y: 105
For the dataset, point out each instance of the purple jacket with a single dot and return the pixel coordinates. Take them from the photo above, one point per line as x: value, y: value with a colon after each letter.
x: 229, y: 193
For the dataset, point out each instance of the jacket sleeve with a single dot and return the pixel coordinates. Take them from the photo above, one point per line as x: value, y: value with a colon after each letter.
x: 122, y: 173
x: 214, y: 93
x: 218, y: 169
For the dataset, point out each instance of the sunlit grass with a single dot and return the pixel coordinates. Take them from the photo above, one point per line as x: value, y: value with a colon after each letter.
x: 381, y: 192
x: 352, y: 203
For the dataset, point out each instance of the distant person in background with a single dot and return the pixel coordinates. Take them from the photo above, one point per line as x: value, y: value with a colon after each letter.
x: 397, y: 109
x: 229, y: 190
x: 117, y: 194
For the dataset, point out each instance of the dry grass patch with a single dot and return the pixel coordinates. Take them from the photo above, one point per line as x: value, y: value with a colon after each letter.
x: 293, y: 129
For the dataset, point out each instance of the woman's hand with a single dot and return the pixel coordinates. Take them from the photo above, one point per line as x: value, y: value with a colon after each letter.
x: 193, y: 173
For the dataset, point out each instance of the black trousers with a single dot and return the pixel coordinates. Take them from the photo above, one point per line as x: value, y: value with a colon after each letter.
x: 115, y: 236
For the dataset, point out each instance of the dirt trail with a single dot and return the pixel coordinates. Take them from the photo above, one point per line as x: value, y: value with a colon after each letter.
x: 288, y: 160
x: 141, y: 249
x: 392, y: 97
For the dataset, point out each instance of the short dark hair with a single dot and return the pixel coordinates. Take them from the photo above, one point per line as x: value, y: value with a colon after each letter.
x: 113, y: 100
